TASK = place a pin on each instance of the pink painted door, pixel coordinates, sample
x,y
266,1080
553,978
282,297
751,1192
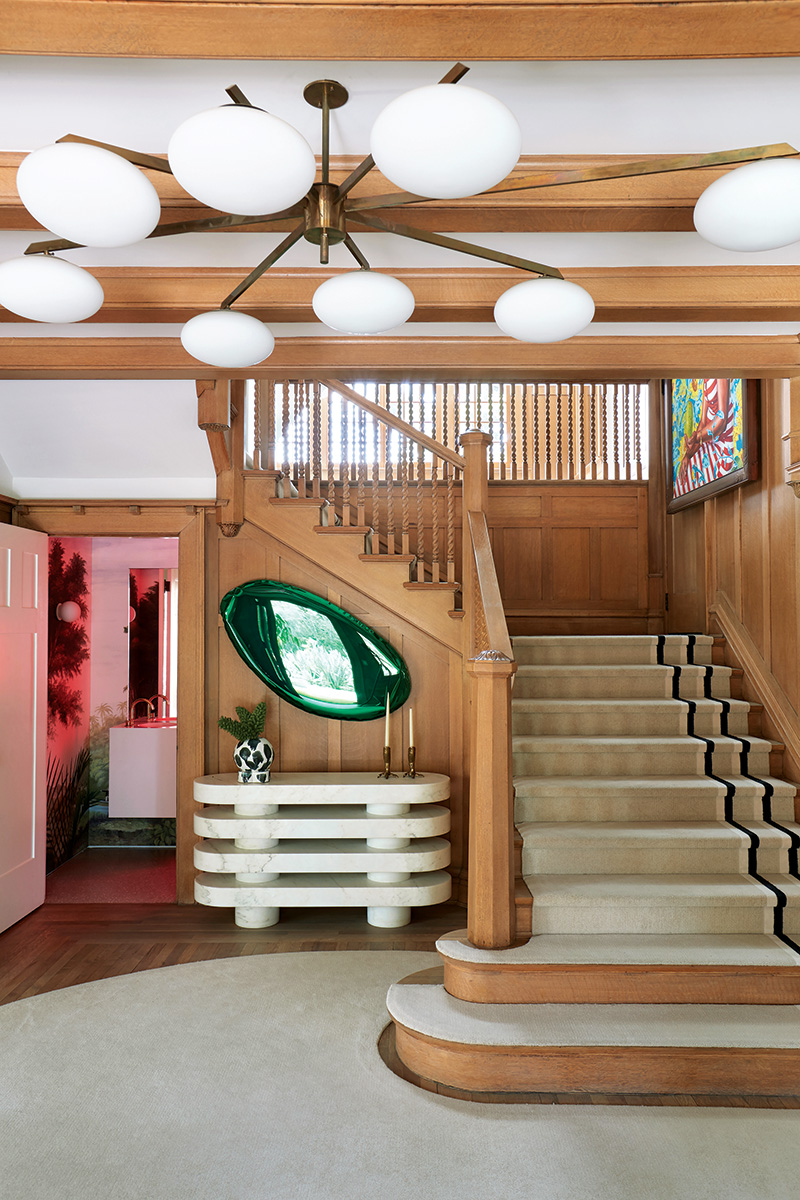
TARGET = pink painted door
x,y
23,721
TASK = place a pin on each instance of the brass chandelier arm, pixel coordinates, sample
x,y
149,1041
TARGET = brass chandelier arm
x,y
265,264
133,156
645,166
439,239
204,225
456,72
356,253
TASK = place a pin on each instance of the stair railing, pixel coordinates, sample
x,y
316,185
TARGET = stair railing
x,y
370,467
490,669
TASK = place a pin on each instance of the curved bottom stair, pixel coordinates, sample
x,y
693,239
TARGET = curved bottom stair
x,y
659,900
636,1049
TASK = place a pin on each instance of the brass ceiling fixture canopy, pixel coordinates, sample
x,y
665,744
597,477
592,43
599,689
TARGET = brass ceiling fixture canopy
x,y
442,141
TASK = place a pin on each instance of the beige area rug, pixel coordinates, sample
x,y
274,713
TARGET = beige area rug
x,y
258,1079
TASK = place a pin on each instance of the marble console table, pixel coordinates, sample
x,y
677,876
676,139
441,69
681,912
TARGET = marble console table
x,y
322,840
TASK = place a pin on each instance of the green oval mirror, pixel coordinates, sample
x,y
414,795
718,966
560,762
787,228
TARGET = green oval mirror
x,y
313,653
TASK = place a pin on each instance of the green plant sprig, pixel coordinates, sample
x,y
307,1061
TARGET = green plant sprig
x,y
249,725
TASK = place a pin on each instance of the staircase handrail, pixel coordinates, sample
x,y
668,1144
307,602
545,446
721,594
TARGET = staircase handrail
x,y
389,419
488,586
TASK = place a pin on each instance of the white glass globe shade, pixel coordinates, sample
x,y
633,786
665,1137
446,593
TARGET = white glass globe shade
x,y
242,160
363,302
445,141
755,207
68,611
225,338
544,310
88,195
42,288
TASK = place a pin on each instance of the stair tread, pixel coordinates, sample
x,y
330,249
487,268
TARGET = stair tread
x,y
644,949
527,785
685,891
647,834
430,1010
721,741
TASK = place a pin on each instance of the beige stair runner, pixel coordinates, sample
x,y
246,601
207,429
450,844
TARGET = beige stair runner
x,y
661,857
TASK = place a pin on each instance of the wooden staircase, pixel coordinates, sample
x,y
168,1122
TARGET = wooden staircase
x,y
659,855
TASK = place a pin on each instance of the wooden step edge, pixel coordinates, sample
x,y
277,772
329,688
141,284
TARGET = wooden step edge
x,y
441,586
611,983
361,530
457,614
618,1070
523,910
388,1051
298,501
388,558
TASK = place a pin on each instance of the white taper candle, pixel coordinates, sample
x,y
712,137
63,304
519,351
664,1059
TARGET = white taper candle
x,y
386,731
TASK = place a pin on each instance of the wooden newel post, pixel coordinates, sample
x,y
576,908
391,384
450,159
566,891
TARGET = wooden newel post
x,y
490,895
474,498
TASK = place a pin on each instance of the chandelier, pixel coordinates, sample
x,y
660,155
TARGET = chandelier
x,y
435,142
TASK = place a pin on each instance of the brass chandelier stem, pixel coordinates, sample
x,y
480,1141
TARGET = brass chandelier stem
x,y
265,265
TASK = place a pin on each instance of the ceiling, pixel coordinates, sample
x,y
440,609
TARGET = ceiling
x,y
659,289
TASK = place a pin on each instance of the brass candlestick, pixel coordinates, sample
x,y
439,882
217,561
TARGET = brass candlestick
x,y
412,772
387,772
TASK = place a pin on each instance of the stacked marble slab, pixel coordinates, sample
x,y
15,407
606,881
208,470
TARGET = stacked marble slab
x,y
322,840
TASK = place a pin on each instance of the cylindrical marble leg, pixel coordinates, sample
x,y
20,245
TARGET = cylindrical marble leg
x,y
389,918
387,876
255,810
387,810
256,918
398,843
256,876
255,843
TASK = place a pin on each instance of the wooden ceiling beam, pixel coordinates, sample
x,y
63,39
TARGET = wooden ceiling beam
x,y
659,203
349,358
437,30
675,293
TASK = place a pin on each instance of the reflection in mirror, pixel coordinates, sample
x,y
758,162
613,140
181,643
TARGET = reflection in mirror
x,y
152,638
312,653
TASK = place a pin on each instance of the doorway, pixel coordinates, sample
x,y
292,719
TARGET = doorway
x,y
113,624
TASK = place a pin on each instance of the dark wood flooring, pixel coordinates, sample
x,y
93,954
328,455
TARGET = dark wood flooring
x,y
59,945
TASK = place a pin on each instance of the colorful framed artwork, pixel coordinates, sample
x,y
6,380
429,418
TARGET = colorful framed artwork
x,y
711,438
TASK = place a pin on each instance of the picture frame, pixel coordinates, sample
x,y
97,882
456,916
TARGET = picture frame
x,y
711,438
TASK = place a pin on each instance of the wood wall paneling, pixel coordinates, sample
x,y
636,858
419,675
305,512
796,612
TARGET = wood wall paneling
x,y
733,567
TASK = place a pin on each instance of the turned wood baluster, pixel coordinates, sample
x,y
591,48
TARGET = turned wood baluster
x,y
616,433
637,430
404,455
420,512
451,522
570,434
435,568
331,462
626,432
375,515
582,435
390,537
457,398
559,446
513,429
286,469
533,392
593,434
256,424
490,422
316,449
524,395
604,431
345,467
361,452
268,430
301,435
548,465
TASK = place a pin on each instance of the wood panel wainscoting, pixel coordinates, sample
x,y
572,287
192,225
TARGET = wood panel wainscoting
x,y
733,568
